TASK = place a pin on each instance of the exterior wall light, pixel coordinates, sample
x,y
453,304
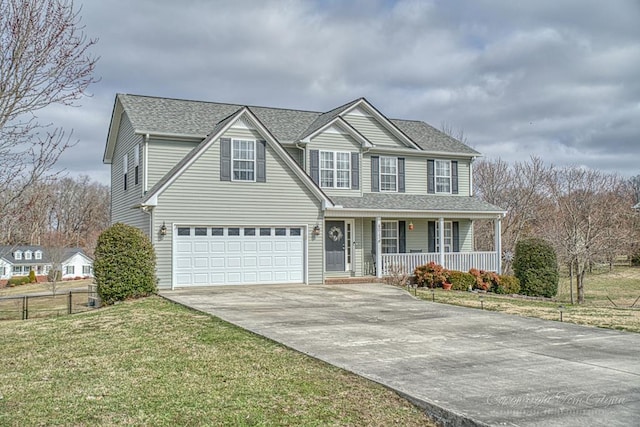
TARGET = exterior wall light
x,y
163,229
410,226
316,230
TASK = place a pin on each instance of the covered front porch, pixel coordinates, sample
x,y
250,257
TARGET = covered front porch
x,y
377,242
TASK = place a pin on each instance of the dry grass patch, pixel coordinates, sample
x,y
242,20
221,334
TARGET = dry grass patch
x,y
150,362
622,286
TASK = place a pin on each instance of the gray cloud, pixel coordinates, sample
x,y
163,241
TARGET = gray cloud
x,y
547,78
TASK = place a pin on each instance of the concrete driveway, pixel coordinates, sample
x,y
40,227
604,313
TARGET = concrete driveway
x,y
464,366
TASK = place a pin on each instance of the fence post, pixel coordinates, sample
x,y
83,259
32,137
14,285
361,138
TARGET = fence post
x,y
69,302
24,307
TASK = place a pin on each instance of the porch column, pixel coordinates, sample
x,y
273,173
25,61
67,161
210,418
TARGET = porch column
x,y
378,244
441,240
498,243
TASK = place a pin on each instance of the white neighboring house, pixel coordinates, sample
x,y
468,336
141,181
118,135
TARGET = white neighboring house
x,y
19,260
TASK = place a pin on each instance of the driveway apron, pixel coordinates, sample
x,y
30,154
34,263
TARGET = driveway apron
x,y
463,366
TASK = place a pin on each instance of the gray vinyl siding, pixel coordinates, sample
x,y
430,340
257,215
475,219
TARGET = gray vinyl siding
x,y
164,155
336,142
371,129
121,200
199,197
297,154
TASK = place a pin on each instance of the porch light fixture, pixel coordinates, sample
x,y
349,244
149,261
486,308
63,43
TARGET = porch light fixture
x,y
410,226
316,230
163,229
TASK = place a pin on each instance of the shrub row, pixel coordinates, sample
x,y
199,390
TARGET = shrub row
x,y
434,275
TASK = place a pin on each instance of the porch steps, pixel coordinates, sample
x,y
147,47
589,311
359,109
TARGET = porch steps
x,y
351,280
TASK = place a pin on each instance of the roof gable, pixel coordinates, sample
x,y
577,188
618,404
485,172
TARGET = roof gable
x,y
246,116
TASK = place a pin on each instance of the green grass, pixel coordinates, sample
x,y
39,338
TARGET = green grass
x,y
622,286
151,362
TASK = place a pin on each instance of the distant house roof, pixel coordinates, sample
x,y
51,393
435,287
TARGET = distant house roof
x,y
7,252
198,119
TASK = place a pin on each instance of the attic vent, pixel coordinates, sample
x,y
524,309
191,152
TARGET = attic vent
x,y
241,123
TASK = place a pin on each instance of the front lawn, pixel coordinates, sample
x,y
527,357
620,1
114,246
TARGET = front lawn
x,y
151,362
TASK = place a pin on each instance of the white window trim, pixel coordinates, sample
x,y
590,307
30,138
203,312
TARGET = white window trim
x,y
436,176
233,160
28,255
17,255
380,174
38,255
334,155
448,225
397,238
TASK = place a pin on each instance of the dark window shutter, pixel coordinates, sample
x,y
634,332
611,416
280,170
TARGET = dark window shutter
x,y
454,177
402,237
431,236
374,244
314,165
455,229
375,174
225,159
355,171
401,174
431,177
261,161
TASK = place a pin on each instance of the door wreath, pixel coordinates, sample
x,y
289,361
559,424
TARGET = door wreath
x,y
335,234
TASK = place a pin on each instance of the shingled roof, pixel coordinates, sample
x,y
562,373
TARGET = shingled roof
x,y
198,119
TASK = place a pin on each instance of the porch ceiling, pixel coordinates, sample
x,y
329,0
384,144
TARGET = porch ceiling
x,y
413,205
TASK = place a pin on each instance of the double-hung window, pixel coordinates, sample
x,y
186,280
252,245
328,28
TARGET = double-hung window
x,y
388,174
125,166
448,236
335,169
389,237
136,164
243,158
443,176
17,255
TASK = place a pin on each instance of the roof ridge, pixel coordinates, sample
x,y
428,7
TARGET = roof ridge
x,y
218,103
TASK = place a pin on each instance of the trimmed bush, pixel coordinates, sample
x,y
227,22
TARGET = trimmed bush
x,y
484,280
430,275
507,285
536,267
18,281
124,265
461,281
32,277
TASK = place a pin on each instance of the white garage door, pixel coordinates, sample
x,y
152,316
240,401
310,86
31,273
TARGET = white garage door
x,y
238,255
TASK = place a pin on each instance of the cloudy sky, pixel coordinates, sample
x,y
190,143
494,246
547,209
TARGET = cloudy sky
x,y
556,79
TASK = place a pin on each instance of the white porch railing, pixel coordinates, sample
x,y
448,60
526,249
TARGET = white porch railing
x,y
460,261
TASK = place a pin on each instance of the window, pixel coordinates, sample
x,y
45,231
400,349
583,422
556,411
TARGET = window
x,y
448,236
125,164
294,232
3,271
86,270
249,231
17,270
265,232
243,158
136,164
184,231
233,232
69,269
217,231
443,176
17,255
38,255
389,237
27,255
335,169
281,231
388,174
200,231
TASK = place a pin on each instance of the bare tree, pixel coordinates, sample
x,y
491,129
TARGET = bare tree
x,y
44,60
587,221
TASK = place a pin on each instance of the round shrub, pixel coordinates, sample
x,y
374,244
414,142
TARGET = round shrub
x,y
430,275
461,281
507,285
124,265
536,267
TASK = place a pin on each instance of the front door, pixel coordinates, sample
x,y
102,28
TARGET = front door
x,y
334,245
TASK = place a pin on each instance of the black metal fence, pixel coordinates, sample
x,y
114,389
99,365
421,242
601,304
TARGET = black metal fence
x,y
32,306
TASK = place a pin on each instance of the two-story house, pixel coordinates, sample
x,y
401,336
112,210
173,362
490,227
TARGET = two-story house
x,y
233,194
